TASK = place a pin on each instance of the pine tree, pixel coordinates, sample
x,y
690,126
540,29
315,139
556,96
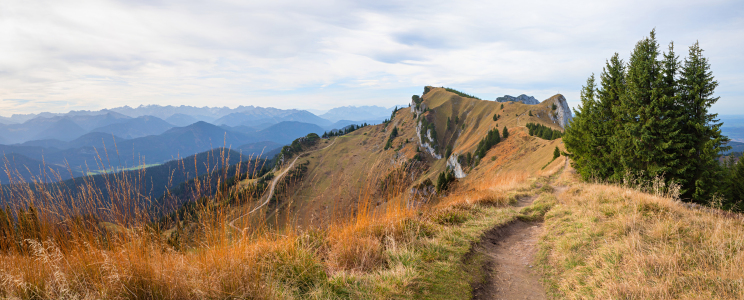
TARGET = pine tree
x,y
579,131
701,133
505,133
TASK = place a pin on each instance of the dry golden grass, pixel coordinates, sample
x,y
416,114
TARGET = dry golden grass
x,y
369,253
608,242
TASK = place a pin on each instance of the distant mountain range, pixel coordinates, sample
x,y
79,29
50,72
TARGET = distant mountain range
x,y
71,144
128,122
357,113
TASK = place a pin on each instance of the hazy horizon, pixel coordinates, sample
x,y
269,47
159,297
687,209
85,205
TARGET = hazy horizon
x,y
64,55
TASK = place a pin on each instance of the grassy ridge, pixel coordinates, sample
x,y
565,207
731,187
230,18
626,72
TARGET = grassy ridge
x,y
610,242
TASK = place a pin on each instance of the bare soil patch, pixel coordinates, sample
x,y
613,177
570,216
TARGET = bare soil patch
x,y
509,252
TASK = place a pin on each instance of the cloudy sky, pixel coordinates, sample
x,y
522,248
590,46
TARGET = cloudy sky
x,y
61,55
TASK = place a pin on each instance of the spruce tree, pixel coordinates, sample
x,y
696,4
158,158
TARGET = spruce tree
x,y
702,139
612,88
505,133
644,146
579,131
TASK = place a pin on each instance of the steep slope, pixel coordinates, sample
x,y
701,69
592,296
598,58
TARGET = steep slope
x,y
352,169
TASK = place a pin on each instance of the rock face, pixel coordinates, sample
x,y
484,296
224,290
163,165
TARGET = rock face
x,y
454,164
425,144
521,98
562,113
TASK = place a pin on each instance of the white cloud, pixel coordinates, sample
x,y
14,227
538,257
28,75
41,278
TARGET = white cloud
x,y
63,55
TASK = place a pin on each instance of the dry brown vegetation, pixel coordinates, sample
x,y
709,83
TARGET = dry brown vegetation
x,y
612,242
370,255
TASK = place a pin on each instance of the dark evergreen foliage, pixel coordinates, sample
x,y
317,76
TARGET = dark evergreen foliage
x,y
543,132
461,94
650,118
393,135
737,185
346,130
491,139
444,180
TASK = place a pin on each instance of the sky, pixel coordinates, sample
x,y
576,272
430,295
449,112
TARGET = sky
x,y
61,55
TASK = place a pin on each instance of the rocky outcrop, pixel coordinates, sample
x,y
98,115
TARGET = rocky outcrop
x,y
418,109
425,144
521,98
562,114
454,164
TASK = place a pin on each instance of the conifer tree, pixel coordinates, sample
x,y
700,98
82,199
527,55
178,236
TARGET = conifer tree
x,y
579,131
737,183
702,138
505,133
612,87
556,152
645,148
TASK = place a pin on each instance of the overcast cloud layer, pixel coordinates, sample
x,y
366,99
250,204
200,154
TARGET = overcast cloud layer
x,y
61,55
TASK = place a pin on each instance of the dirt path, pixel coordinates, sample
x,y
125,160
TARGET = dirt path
x,y
273,186
510,251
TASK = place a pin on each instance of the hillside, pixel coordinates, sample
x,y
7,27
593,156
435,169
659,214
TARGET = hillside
x,y
439,203
357,162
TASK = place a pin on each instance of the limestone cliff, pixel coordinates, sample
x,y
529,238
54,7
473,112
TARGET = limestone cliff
x,y
562,114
